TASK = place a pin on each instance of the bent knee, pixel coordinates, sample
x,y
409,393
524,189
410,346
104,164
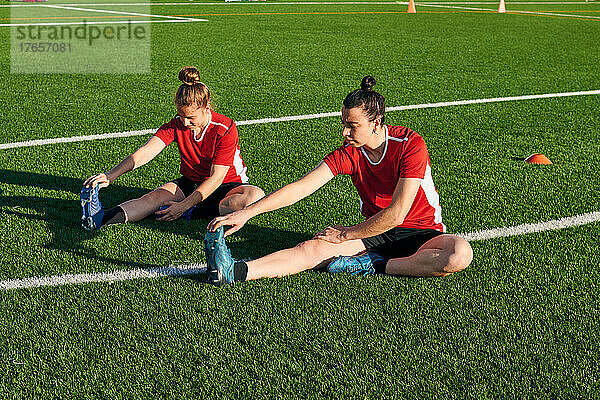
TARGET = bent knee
x,y
154,199
253,193
459,257
240,197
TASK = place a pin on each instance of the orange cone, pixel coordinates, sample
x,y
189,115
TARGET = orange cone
x,y
502,7
411,7
538,158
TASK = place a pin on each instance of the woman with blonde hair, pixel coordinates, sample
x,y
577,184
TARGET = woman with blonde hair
x,y
213,181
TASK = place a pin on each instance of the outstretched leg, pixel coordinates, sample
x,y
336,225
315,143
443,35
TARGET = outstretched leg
x,y
306,255
440,256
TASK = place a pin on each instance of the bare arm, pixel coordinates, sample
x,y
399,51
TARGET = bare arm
x,y
280,198
384,220
136,159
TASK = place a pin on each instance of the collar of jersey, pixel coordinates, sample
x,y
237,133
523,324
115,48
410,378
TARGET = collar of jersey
x,y
203,130
384,150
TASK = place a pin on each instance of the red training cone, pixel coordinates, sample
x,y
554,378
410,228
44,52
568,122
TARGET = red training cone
x,y
538,158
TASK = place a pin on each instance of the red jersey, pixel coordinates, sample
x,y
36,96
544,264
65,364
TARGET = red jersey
x,y
404,156
218,144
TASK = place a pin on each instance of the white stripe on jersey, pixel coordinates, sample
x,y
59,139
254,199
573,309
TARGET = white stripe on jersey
x,y
399,140
240,169
432,196
216,123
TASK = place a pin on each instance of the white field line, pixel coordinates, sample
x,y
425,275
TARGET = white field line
x,y
120,12
115,276
75,139
507,11
195,269
41,142
170,21
524,229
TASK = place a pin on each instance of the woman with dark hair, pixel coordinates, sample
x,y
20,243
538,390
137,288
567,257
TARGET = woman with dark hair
x,y
402,234
213,181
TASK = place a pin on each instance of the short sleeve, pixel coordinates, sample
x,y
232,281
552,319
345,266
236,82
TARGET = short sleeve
x,y
166,132
414,160
339,161
226,147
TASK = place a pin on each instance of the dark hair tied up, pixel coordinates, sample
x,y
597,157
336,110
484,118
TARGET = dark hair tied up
x,y
367,83
371,102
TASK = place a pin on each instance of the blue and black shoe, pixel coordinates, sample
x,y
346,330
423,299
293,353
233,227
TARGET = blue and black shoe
x,y
219,260
187,215
362,264
92,211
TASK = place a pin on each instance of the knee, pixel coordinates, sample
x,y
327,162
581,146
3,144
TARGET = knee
x,y
252,194
152,200
240,199
460,256
311,248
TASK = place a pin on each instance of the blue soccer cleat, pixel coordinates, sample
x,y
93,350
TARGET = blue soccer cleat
x,y
356,265
218,257
187,215
92,211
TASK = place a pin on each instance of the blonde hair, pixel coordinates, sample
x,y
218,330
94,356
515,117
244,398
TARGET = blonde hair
x,y
192,92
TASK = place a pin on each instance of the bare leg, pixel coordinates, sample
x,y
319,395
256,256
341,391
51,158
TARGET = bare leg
x,y
240,197
440,256
140,208
306,255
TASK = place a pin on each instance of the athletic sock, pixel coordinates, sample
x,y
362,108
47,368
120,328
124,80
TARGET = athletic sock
x,y
240,271
115,215
379,266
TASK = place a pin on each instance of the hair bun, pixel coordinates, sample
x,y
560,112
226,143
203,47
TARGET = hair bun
x,y
189,76
367,83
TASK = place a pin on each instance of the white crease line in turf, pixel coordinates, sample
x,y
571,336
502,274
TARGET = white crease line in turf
x,y
71,139
524,229
121,13
115,276
195,269
76,139
508,11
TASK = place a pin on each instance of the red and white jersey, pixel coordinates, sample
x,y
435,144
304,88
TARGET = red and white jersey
x,y
404,156
218,144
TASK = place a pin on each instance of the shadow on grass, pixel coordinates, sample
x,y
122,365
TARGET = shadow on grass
x,y
63,218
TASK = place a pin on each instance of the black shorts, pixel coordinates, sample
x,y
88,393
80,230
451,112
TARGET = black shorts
x,y
400,242
209,207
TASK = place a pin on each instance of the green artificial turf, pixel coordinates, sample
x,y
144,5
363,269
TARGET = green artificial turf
x,y
521,321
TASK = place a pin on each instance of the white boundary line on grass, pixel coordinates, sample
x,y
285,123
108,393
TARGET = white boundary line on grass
x,y
115,276
194,269
41,142
123,13
169,18
523,229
